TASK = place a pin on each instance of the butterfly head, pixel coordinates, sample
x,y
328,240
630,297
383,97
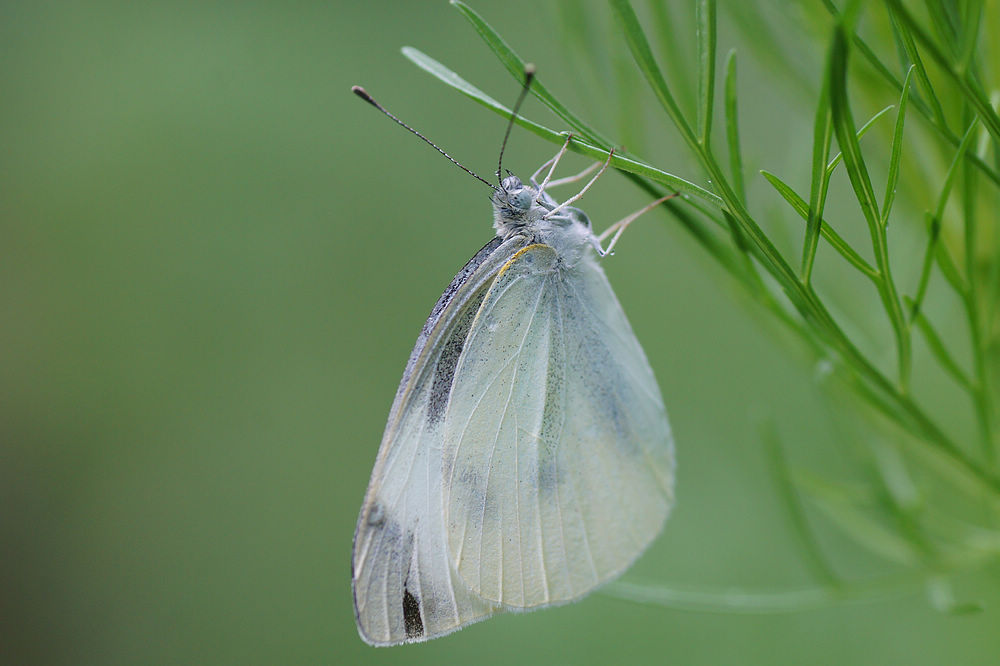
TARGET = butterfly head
x,y
524,208
517,205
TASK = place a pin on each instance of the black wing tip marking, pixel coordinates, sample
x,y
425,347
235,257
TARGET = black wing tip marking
x,y
412,622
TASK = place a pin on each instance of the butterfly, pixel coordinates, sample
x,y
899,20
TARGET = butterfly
x,y
527,457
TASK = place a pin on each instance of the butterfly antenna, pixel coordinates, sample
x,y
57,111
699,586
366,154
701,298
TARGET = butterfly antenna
x,y
363,94
529,76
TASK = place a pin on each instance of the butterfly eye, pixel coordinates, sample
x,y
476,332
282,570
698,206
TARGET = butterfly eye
x,y
520,199
518,196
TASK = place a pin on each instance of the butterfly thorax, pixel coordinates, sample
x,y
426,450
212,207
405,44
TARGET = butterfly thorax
x,y
520,208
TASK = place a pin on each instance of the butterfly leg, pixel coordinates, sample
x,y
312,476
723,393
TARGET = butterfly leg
x,y
578,195
551,164
619,227
572,179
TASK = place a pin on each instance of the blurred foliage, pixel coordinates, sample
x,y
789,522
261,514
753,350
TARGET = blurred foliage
x,y
216,260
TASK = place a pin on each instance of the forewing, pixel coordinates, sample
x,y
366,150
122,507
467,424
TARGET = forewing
x,y
405,588
558,454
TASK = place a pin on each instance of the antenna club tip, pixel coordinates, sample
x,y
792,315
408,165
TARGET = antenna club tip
x,y
529,69
363,94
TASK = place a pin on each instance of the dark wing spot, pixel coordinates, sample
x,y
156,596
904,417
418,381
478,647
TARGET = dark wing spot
x,y
444,373
376,515
411,615
441,305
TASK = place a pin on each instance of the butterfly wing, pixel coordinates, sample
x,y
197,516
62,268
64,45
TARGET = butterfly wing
x,y
558,455
405,588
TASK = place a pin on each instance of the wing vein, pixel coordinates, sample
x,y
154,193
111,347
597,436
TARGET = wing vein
x,y
558,462
496,436
576,494
517,501
489,384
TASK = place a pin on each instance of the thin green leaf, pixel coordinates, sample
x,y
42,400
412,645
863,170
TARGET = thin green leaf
x,y
820,183
897,149
712,244
705,15
743,246
933,232
628,96
950,272
909,415
820,176
979,341
913,55
966,83
969,39
861,182
515,65
943,21
868,53
737,234
733,127
934,226
618,161
939,350
852,10
936,120
949,179
633,169
762,246
713,213
826,231
839,157
897,405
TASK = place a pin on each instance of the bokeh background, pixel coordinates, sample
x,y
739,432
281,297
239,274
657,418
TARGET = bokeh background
x,y
214,262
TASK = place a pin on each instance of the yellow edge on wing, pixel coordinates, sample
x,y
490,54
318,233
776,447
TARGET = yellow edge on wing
x,y
517,255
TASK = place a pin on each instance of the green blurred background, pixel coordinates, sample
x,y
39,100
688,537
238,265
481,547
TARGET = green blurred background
x,y
215,260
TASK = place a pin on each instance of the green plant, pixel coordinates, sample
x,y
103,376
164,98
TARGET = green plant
x,y
946,121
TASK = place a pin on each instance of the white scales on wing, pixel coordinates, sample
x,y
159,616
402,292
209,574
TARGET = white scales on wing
x,y
527,458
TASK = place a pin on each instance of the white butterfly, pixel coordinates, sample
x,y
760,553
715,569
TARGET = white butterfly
x,y
527,458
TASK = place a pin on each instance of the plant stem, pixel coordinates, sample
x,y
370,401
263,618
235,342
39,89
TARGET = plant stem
x,y
908,414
